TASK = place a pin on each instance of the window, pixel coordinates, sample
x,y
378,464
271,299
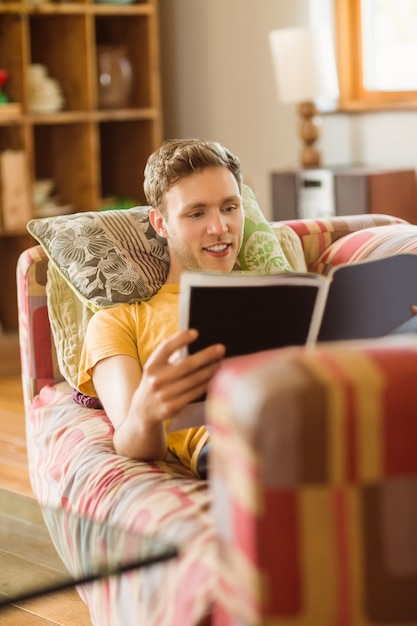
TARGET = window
x,y
377,53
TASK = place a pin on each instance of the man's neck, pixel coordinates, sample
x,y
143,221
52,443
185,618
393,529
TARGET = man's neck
x,y
173,278
174,272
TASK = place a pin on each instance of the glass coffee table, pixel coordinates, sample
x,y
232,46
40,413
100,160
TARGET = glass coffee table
x,y
30,565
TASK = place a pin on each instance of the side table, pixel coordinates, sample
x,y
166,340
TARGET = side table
x,y
320,192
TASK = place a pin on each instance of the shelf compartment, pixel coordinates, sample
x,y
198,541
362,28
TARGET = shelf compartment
x,y
88,152
124,148
12,55
63,153
12,137
61,43
132,32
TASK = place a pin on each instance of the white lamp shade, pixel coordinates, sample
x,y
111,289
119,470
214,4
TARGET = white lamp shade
x,y
304,63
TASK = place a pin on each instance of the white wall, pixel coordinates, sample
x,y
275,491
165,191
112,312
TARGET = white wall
x,y
218,81
218,84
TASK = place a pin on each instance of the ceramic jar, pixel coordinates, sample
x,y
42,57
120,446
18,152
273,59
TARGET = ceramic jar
x,y
114,76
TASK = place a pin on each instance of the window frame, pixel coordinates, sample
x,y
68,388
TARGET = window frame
x,y
353,95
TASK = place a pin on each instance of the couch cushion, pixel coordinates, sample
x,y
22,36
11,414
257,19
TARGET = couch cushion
x,y
367,244
291,246
74,465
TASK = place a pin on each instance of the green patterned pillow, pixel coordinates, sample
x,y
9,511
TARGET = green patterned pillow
x,y
261,250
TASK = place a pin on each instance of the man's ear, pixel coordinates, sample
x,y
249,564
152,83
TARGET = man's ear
x,y
158,222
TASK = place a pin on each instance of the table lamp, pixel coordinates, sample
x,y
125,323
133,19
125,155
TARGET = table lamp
x,y
305,70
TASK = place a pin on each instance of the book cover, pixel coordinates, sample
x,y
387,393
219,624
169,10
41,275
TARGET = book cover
x,y
370,299
252,312
249,313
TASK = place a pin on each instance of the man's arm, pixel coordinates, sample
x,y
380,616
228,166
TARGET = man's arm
x,y
138,403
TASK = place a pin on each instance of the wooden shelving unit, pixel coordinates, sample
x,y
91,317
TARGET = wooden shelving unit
x,y
89,152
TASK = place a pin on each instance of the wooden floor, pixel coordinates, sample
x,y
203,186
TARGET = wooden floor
x,y
61,609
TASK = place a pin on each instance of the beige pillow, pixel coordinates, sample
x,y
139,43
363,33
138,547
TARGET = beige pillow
x,y
68,316
291,246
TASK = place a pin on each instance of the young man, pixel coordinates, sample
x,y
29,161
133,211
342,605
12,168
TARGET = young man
x,y
129,359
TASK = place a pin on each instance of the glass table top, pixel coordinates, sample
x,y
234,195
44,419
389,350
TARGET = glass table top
x,y
30,565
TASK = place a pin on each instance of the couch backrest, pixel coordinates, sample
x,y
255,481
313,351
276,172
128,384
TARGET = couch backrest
x,y
316,235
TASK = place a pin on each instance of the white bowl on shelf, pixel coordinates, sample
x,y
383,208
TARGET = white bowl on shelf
x,y
41,190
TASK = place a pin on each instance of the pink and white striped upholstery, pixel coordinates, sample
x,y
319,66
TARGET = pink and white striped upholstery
x,y
318,235
367,244
308,460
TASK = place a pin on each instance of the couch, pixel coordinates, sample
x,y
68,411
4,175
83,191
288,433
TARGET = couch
x,y
310,512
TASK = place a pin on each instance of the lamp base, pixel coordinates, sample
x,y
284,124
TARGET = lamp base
x,y
309,131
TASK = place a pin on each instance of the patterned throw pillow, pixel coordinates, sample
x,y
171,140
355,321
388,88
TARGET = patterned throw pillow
x,y
106,257
369,243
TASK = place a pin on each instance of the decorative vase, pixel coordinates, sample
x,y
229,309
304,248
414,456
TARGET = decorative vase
x,y
114,76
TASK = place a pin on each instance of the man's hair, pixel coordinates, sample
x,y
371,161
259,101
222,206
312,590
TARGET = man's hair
x,y
178,158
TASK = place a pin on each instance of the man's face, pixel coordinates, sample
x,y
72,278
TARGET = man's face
x,y
204,223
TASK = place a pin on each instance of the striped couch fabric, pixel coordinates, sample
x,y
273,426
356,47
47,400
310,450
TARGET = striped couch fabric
x,y
314,476
368,244
313,487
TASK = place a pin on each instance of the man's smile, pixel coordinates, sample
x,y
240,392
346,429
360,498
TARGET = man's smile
x,y
218,249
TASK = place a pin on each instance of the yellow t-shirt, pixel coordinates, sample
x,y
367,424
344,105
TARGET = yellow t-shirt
x,y
136,330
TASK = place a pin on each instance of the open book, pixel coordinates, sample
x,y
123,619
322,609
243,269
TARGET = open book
x,y
249,312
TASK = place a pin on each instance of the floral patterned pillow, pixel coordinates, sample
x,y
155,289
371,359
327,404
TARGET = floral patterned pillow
x,y
107,257
115,256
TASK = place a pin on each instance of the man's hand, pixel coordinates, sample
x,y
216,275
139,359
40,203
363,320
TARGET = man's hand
x,y
139,403
169,383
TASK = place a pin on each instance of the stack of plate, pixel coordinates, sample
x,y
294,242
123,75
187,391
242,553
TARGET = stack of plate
x,y
45,95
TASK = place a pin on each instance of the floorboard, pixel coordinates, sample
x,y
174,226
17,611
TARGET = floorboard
x,y
60,609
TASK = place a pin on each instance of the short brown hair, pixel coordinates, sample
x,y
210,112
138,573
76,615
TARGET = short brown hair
x,y
178,158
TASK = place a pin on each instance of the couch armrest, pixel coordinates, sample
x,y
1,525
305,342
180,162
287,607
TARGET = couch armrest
x,y
314,479
37,350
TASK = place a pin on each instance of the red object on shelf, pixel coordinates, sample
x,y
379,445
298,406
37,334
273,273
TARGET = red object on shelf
x,y
3,77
